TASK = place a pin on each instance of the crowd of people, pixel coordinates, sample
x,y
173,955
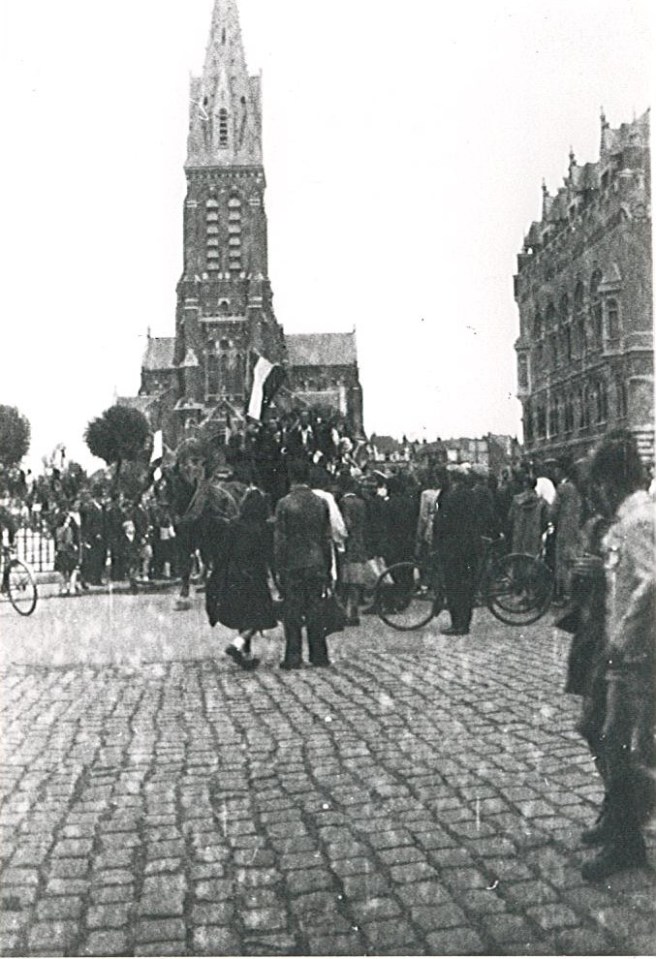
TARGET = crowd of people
x,y
294,520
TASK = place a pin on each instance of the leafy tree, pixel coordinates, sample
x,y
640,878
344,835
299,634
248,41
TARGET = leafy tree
x,y
120,433
14,435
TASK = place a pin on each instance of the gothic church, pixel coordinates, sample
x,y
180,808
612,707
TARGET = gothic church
x,y
225,318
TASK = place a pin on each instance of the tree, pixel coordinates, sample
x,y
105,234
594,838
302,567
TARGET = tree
x,y
14,435
120,433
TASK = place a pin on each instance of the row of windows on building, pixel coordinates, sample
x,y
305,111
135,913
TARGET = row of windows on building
x,y
213,238
568,310
575,337
561,415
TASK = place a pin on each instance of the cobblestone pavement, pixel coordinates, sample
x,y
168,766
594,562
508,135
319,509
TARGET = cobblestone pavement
x,y
424,796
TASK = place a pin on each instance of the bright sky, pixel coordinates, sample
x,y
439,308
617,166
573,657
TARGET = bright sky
x,y
405,144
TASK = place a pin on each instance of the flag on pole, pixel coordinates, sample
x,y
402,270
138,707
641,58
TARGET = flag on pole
x,y
158,447
267,380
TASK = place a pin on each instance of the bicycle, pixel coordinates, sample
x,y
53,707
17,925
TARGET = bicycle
x,y
515,587
17,582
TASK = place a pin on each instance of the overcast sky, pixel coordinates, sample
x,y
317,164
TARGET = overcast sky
x,y
405,144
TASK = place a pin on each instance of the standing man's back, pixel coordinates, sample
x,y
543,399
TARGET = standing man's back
x,y
302,546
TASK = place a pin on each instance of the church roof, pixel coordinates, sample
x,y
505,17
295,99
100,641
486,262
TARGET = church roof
x,y
141,403
159,353
321,349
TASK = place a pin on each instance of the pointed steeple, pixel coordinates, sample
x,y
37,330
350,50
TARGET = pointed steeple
x,y
225,112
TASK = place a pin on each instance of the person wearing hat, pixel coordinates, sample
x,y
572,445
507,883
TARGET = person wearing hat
x,y
457,538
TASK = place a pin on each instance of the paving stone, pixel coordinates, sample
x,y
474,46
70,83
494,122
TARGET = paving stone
x,y
553,916
412,872
592,942
108,894
168,948
159,930
162,896
365,886
53,935
109,916
507,928
346,945
256,920
212,914
104,943
456,942
60,907
309,880
438,917
17,897
395,934
378,907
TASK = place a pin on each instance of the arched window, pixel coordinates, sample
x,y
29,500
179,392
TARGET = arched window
x,y
579,297
621,398
212,234
567,343
596,311
223,128
554,417
555,356
528,422
522,372
564,308
583,408
234,234
569,414
538,326
602,402
581,334
212,375
613,319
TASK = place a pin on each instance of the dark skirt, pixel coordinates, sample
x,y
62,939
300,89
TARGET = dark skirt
x,y
239,600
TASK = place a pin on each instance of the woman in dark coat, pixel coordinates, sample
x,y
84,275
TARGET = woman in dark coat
x,y
237,591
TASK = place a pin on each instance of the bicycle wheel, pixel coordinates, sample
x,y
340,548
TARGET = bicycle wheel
x,y
21,587
518,589
403,598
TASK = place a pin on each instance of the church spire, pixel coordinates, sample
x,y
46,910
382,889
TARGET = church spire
x,y
225,112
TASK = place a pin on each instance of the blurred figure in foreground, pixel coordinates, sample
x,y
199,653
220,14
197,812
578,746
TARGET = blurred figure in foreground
x,y
626,748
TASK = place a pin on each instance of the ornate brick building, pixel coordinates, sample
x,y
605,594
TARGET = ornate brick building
x,y
225,318
584,291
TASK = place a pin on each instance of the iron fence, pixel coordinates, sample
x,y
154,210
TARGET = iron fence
x,y
35,545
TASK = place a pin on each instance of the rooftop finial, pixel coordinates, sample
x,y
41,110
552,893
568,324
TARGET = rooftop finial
x,y
604,121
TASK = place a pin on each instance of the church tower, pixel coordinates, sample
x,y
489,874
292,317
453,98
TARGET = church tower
x,y
225,312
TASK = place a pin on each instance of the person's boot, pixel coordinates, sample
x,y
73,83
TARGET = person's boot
x,y
602,830
622,852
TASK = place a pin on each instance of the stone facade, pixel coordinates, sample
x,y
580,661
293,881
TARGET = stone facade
x,y
225,317
584,291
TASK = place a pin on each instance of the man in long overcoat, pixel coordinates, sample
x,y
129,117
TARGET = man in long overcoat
x,y
457,535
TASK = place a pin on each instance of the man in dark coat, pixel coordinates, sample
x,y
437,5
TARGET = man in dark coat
x,y
457,534
93,537
302,546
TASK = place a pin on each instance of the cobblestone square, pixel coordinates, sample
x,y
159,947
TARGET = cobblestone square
x,y
423,796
